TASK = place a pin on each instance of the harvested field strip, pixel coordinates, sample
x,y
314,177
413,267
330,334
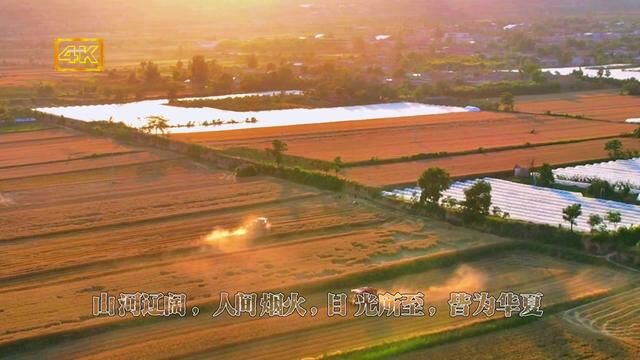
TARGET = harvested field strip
x,y
96,181
85,164
317,214
597,105
481,164
26,140
503,130
137,209
321,334
36,135
617,316
56,149
203,279
131,262
418,157
277,132
158,324
92,156
552,337
131,181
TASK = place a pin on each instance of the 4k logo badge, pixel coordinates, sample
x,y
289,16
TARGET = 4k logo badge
x,y
78,54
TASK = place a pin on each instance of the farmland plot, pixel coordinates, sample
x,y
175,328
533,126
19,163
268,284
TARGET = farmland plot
x,y
551,337
203,274
175,236
485,163
617,316
116,206
601,105
27,136
518,271
172,225
396,138
56,149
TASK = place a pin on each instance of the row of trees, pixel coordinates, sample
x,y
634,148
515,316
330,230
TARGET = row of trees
x,y
597,223
279,147
616,149
434,181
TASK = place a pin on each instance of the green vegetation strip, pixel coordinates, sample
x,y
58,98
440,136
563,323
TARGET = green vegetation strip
x,y
27,127
253,103
287,160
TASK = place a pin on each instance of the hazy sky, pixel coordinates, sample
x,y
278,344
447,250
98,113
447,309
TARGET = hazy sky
x,y
33,16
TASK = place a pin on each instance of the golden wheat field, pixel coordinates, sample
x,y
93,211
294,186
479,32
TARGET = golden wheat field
x,y
163,223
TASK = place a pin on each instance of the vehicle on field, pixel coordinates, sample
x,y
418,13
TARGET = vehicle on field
x,y
363,295
259,227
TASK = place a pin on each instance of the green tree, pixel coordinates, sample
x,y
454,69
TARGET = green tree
x,y
4,108
433,182
450,202
631,87
636,132
614,147
571,213
507,102
157,124
579,74
477,199
531,71
601,189
337,164
496,211
596,222
150,72
614,217
277,150
199,71
546,177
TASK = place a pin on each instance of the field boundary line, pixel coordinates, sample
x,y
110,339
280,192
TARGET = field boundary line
x,y
32,140
90,169
87,157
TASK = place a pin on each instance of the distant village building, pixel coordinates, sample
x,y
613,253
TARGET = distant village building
x,y
24,120
459,37
548,62
521,172
582,61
